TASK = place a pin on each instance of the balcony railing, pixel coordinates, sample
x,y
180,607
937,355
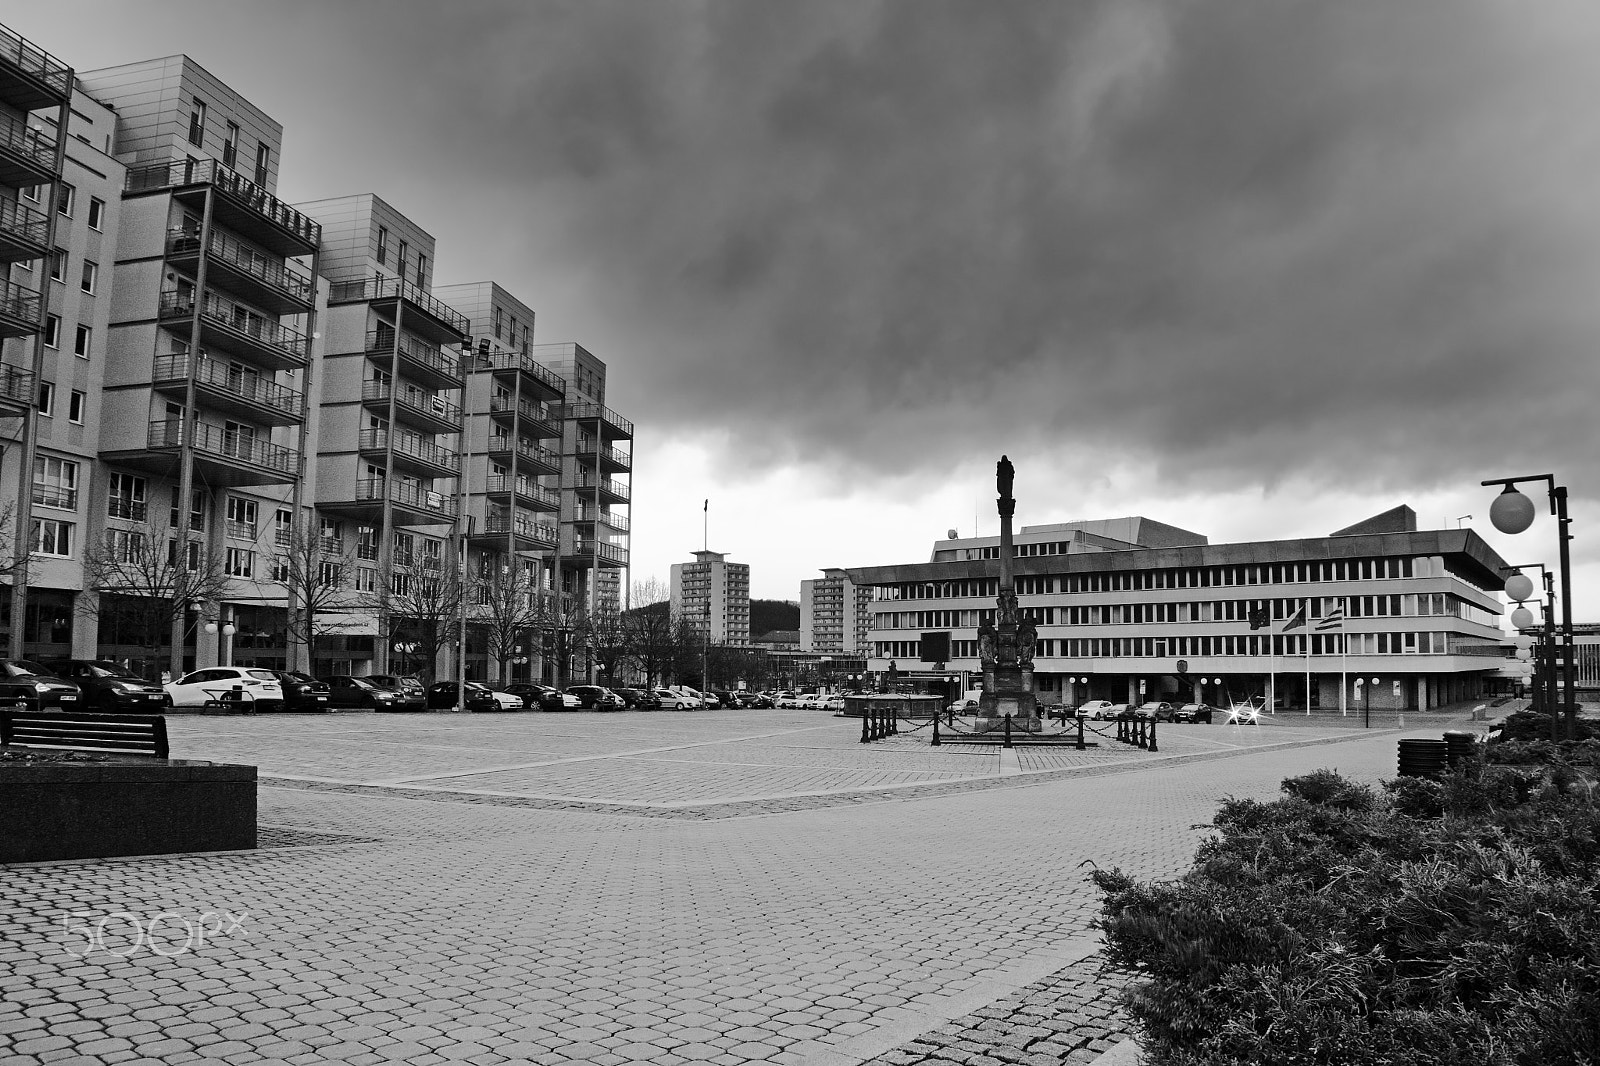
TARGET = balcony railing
x,y
535,412
588,448
406,495
227,444
24,223
523,487
434,406
35,61
613,553
16,385
287,278
55,496
377,440
520,525
613,488
257,200
35,145
499,442
122,507
266,331
430,355
241,530
386,288
589,412
509,360
222,376
19,302
282,536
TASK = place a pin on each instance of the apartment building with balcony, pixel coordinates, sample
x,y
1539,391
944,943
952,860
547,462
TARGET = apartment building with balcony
x,y
835,614
389,414
214,301
712,597
1129,608
36,212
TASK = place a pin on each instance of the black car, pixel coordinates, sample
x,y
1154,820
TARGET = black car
x,y
595,698
639,699
442,696
628,696
28,682
411,695
360,694
302,693
536,697
109,687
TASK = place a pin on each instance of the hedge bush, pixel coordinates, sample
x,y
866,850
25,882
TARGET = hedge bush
x,y
1450,921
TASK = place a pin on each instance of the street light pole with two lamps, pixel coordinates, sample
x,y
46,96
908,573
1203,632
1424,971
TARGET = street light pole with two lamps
x,y
1512,512
1520,588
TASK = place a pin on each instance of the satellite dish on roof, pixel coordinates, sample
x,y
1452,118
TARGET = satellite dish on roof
x,y
952,534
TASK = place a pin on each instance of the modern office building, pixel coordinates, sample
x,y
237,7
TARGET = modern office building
x,y
712,597
1130,610
835,614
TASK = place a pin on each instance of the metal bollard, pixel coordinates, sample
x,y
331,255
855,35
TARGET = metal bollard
x,y
935,730
866,725
1080,733
1152,733
1008,731
1139,731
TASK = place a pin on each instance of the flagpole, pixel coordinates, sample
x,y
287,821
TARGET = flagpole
x,y
1308,657
1344,650
1272,666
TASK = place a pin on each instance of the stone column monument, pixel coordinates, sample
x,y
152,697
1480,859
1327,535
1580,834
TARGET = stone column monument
x,y
1006,647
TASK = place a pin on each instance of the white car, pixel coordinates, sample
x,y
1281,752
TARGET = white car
x,y
200,687
675,701
507,700
833,703
809,701
1099,709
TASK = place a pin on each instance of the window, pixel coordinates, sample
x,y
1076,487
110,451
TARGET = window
x,y
280,569
81,340
125,545
52,331
497,323
402,549
97,213
366,579
283,527
366,542
47,398
197,121
383,246
32,193
263,162
51,537
91,274
400,258
198,506
67,199
191,554
55,482
58,265
230,146
241,562
127,497
332,536
75,405
330,573
432,554
422,271
241,517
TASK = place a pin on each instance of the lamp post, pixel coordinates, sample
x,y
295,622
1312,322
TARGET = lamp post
x,y
1520,588
1512,512
1366,720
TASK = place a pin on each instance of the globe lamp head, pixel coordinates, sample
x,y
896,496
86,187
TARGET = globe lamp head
x,y
1519,586
1522,618
1511,512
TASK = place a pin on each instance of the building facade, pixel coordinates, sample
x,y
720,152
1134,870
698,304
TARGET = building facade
x,y
712,597
1165,615
835,614
250,432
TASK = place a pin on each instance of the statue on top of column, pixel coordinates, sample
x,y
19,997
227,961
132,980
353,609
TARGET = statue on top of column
x,y
1004,475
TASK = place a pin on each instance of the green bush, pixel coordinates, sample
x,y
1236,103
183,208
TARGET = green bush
x,y
1432,922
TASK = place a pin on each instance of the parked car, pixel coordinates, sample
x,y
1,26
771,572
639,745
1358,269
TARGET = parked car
x,y
23,678
108,687
834,703
628,696
963,706
1193,712
696,700
596,697
645,699
412,695
1159,710
302,692
508,701
673,700
1099,710
810,701
359,693
726,698
257,686
442,695
535,697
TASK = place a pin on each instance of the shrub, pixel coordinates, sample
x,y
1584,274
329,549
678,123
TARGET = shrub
x,y
1432,923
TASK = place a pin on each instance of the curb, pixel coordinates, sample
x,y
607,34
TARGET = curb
x,y
1123,1054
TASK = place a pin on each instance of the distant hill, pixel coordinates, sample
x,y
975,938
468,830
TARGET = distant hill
x,y
767,615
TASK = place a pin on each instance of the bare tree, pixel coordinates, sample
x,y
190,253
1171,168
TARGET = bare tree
x,y
152,581
648,632
609,639
510,609
318,576
423,606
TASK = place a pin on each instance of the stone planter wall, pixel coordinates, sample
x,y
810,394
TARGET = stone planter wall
x,y
125,807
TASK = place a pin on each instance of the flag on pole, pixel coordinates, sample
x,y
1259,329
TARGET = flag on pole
x,y
1296,620
1334,619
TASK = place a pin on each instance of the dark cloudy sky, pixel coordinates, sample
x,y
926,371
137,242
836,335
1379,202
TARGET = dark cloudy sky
x,y
1253,267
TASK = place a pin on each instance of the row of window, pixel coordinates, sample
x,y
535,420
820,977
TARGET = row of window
x,y
67,202
1167,578
402,254
1400,605
77,402
1288,645
82,338
230,143
89,277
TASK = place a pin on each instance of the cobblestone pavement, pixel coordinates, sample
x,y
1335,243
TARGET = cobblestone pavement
x,y
388,918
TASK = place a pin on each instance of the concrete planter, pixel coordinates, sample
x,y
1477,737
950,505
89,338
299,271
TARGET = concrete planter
x,y
129,806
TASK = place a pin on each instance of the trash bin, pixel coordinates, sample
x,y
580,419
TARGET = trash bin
x,y
1423,758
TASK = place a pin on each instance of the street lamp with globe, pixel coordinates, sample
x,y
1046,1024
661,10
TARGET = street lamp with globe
x,y
1520,588
1512,512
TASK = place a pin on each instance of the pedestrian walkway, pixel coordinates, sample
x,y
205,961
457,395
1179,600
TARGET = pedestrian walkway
x,y
708,888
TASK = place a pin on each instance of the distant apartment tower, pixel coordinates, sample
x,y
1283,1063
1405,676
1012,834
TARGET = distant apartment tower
x,y
835,614
713,593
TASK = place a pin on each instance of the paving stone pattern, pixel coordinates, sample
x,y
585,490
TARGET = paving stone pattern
x,y
647,923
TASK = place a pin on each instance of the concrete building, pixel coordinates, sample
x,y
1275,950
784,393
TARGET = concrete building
x,y
1131,610
712,596
835,614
